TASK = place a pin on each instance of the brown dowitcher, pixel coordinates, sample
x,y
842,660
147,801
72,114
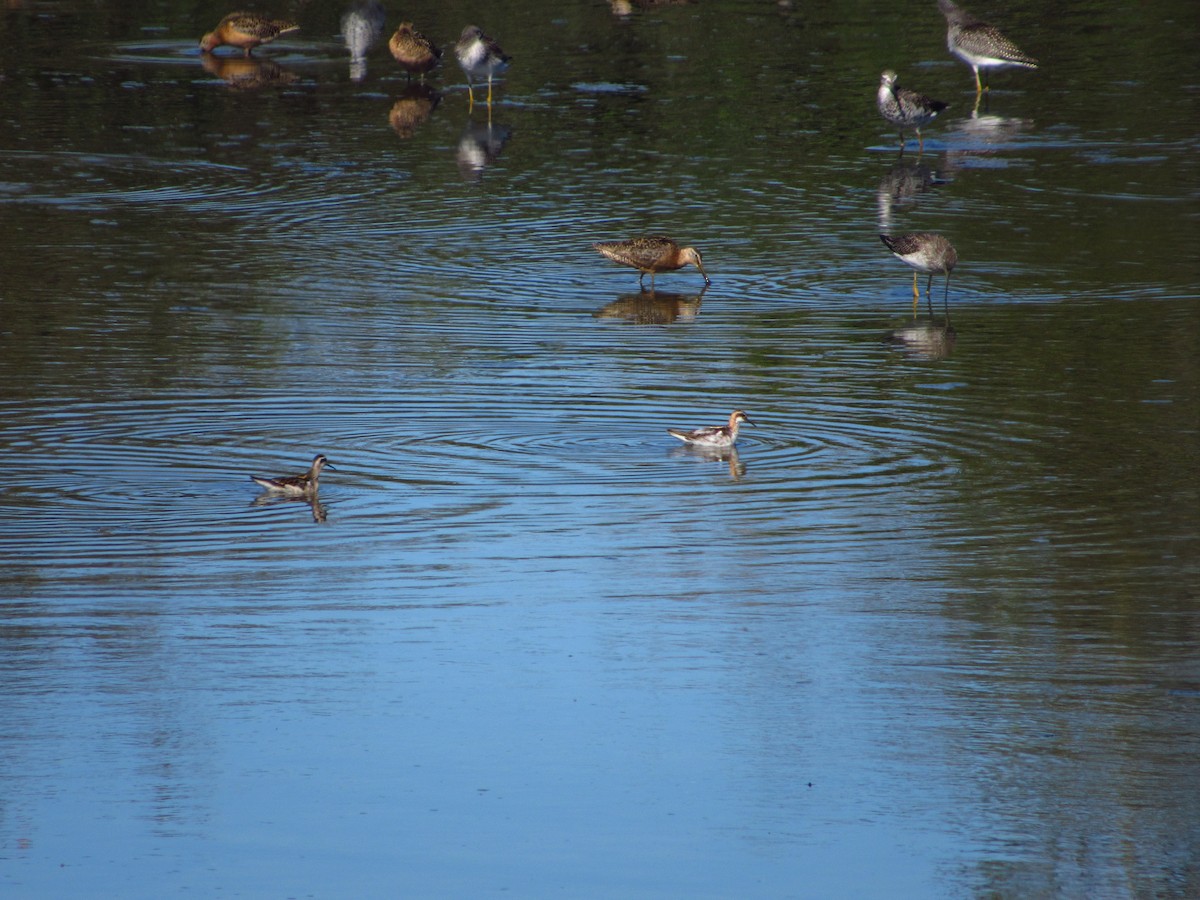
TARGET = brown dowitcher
x,y
927,253
980,45
906,109
479,55
247,31
415,52
295,485
652,254
715,436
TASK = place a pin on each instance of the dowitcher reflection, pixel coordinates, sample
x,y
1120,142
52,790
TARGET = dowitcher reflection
x,y
980,45
906,109
652,255
412,109
246,31
926,253
247,74
653,308
304,484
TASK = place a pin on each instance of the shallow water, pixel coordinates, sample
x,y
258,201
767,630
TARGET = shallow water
x,y
931,631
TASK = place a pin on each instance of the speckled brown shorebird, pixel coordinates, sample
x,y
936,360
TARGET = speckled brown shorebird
x,y
415,52
906,109
926,253
247,31
980,45
652,254
295,485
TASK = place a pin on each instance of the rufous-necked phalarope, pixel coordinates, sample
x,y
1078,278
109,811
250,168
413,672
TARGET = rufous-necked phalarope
x,y
296,485
718,436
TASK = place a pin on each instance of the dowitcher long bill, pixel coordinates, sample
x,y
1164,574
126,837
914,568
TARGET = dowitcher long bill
x,y
980,45
926,253
415,52
296,485
247,31
652,254
479,55
715,436
906,109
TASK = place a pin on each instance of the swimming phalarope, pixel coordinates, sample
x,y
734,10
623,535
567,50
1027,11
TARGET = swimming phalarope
x,y
479,55
295,485
714,436
247,31
652,254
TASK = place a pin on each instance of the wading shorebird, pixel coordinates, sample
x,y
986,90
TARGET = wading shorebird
x,y
906,109
247,31
652,254
718,437
295,485
479,55
980,45
415,52
927,253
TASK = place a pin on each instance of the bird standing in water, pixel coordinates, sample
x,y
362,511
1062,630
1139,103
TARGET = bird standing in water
x,y
926,253
652,254
980,45
415,52
479,55
295,485
905,108
247,31
718,437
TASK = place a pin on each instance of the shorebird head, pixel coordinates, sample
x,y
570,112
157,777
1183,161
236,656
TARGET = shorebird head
x,y
470,34
209,41
737,417
692,255
319,462
888,78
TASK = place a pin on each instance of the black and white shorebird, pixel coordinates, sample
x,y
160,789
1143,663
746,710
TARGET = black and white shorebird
x,y
906,109
980,45
713,437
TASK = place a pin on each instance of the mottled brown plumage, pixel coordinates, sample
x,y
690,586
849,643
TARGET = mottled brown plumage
x,y
926,253
415,52
246,31
652,254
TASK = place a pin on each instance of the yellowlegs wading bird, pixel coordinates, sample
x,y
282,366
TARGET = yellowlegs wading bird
x,y
926,253
980,45
479,55
906,109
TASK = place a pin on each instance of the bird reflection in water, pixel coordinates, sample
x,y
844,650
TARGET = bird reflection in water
x,y
930,340
412,109
904,181
247,73
700,453
480,146
653,308
626,7
319,511
362,27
